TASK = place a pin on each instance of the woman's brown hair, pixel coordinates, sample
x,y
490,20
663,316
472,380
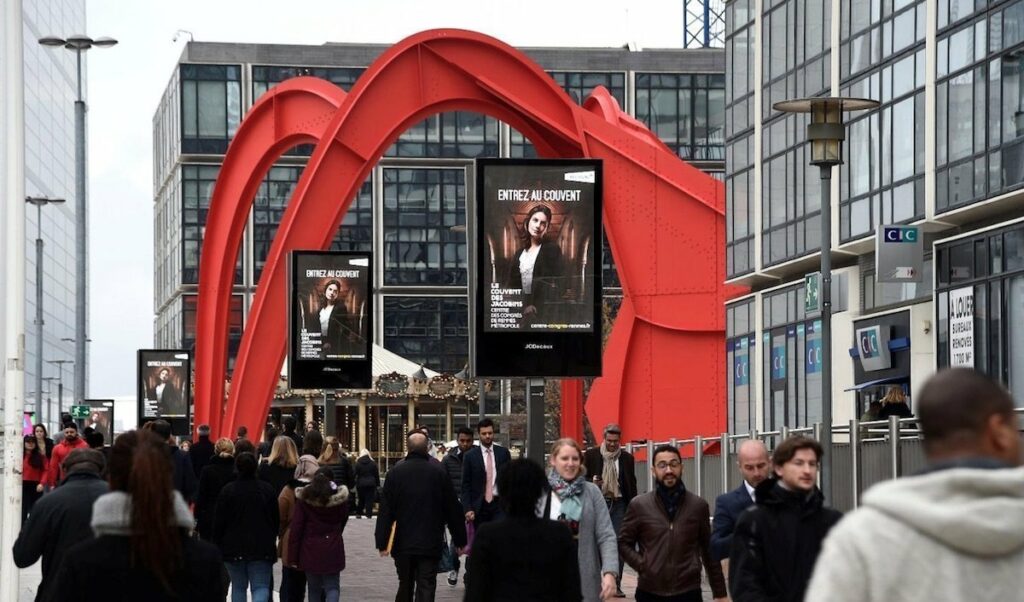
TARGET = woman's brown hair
x,y
332,451
140,466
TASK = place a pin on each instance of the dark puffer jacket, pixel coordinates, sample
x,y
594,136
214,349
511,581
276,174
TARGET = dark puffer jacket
x,y
367,473
776,543
315,542
453,464
246,521
216,474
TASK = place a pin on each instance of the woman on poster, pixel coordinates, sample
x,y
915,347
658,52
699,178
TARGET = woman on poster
x,y
333,321
537,269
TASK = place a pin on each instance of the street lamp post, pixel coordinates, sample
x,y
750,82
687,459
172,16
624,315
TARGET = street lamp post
x,y
74,367
39,201
49,395
826,133
79,44
60,382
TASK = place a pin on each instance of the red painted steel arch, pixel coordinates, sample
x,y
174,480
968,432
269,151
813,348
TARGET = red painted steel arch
x,y
664,366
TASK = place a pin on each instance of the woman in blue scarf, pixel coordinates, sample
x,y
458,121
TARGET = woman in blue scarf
x,y
575,501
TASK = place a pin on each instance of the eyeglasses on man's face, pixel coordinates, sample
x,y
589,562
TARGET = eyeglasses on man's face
x,y
671,464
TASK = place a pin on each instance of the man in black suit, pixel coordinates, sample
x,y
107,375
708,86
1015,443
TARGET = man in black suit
x,y
612,469
419,501
754,464
480,470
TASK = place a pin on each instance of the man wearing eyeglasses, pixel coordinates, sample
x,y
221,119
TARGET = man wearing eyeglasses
x,y
666,536
611,468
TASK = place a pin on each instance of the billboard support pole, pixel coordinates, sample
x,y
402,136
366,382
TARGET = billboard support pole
x,y
535,419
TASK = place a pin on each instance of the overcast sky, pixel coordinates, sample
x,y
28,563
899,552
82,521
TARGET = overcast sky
x,y
125,84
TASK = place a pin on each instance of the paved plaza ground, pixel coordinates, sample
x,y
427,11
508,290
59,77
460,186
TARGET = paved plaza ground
x,y
367,577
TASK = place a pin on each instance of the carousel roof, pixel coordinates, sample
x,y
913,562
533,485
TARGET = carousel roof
x,y
386,362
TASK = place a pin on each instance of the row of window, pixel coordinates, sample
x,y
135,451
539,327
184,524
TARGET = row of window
x,y
687,111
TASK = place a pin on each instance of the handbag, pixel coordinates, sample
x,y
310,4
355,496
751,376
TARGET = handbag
x,y
447,562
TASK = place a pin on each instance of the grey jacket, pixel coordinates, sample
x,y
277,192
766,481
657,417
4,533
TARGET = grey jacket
x,y
598,545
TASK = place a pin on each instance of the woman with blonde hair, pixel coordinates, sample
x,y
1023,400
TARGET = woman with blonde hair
x,y
367,482
333,458
579,504
215,475
279,467
895,404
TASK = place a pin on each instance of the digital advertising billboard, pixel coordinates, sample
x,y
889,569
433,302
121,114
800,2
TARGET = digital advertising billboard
x,y
164,379
331,314
537,309
101,418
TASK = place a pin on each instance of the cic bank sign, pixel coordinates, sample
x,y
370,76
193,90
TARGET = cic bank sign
x,y
899,254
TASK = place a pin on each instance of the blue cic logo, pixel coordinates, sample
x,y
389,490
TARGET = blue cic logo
x,y
896,234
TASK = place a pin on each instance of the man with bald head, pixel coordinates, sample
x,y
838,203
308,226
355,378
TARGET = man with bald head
x,y
419,501
952,532
754,465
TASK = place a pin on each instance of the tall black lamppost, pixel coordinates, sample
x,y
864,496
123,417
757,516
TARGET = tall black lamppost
x,y
826,133
39,201
79,44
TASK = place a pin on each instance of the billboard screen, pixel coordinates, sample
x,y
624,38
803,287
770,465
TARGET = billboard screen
x,y
538,276
331,319
101,417
164,379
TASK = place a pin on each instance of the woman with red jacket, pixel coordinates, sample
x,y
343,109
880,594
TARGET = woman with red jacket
x,y
315,544
33,473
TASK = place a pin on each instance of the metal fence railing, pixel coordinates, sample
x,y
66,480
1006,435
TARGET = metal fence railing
x,y
863,453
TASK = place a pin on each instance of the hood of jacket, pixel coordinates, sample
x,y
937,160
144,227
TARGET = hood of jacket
x,y
339,497
974,511
112,514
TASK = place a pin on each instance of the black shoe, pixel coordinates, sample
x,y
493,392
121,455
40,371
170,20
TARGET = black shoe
x,y
453,578
619,594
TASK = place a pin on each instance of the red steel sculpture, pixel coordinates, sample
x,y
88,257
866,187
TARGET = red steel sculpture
x,y
665,361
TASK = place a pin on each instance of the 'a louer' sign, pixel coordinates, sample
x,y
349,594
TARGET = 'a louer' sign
x,y
961,327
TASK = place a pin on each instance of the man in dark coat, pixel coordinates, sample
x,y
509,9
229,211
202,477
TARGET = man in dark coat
x,y
666,537
777,541
184,476
754,465
610,460
61,518
202,450
290,424
419,501
453,464
480,468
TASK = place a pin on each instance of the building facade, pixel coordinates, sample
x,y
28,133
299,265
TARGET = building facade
x,y
411,211
942,152
49,126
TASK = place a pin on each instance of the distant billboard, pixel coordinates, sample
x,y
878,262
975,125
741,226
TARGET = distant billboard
x,y
164,384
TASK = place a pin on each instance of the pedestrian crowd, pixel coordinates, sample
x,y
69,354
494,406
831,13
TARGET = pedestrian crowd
x,y
151,521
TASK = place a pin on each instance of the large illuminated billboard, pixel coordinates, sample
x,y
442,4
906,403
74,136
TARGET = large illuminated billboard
x,y
331,307
164,384
538,279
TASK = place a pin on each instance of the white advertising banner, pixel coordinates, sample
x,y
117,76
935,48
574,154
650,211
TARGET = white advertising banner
x,y
961,327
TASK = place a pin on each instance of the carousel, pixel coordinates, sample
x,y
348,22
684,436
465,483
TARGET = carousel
x,y
405,395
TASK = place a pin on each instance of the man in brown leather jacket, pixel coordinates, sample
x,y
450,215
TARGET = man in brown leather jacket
x,y
664,534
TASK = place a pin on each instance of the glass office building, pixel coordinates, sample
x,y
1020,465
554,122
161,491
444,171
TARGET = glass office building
x,y
49,122
941,153
409,208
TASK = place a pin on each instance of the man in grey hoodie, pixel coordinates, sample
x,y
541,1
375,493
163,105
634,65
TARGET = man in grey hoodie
x,y
954,532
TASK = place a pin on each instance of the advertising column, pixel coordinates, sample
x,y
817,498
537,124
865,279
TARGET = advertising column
x,y
537,310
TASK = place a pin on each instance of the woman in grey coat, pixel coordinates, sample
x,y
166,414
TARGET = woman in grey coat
x,y
575,501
